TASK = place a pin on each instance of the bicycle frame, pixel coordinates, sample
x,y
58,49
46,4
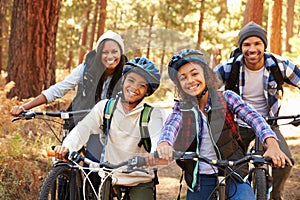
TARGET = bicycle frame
x,y
75,175
223,165
261,174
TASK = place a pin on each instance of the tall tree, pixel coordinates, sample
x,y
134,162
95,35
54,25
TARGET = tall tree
x,y
254,11
102,18
84,33
32,44
274,26
94,25
289,23
199,39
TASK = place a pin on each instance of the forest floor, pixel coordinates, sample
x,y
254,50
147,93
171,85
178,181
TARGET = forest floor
x,y
23,164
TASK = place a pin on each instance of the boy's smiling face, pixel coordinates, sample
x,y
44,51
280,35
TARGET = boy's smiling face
x,y
191,79
135,87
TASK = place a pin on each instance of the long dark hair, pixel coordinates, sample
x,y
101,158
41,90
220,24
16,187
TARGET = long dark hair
x,y
98,69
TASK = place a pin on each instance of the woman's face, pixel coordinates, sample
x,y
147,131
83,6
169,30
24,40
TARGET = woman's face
x,y
111,54
191,79
135,87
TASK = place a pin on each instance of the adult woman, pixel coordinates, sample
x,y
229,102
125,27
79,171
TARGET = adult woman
x,y
97,78
207,116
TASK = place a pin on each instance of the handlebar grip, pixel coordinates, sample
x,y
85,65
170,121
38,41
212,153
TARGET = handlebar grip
x,y
51,153
269,160
176,154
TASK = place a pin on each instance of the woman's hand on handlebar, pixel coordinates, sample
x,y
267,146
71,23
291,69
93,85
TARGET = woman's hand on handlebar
x,y
16,111
61,152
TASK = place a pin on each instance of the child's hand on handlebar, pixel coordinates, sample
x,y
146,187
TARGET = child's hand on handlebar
x,y
61,152
165,151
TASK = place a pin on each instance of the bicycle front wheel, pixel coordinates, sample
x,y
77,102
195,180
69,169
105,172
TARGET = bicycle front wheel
x,y
259,184
58,185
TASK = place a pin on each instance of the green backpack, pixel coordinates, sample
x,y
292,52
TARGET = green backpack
x,y
144,120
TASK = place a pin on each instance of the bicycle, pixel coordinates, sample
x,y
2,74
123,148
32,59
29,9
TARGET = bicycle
x,y
225,167
260,174
62,176
106,170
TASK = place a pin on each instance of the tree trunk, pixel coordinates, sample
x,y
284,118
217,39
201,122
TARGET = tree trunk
x,y
200,24
254,11
69,61
82,51
94,24
289,23
274,26
102,18
149,36
32,45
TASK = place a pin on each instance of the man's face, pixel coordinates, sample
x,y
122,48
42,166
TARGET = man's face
x,y
253,50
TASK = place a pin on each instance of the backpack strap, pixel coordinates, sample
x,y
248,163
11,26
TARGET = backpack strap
x,y
144,120
110,106
277,74
232,81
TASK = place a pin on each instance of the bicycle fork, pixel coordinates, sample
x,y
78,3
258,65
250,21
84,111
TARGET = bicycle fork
x,y
222,187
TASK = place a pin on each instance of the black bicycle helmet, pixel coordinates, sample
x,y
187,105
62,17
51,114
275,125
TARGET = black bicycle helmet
x,y
182,57
145,68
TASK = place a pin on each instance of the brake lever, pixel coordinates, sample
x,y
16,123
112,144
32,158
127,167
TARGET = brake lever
x,y
16,119
130,170
295,122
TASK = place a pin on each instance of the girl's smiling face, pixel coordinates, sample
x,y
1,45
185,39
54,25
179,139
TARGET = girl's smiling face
x,y
191,79
135,87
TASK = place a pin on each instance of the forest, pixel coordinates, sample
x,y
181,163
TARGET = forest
x,y
43,41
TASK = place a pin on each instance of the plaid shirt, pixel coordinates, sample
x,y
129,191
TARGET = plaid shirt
x,y
235,104
290,72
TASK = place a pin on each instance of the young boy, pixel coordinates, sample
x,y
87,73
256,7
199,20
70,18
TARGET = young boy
x,y
140,79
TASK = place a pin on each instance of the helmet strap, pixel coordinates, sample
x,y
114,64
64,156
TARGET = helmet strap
x,y
124,101
202,93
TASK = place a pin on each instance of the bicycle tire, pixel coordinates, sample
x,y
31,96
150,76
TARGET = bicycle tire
x,y
259,184
59,176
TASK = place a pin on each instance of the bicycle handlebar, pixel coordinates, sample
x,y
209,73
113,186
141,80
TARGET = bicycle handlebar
x,y
133,164
27,115
255,159
294,122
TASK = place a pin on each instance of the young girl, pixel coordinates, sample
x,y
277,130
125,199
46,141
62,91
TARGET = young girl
x,y
210,115
140,79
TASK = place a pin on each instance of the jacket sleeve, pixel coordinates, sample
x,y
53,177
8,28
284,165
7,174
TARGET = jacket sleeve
x,y
61,88
249,115
171,126
90,124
